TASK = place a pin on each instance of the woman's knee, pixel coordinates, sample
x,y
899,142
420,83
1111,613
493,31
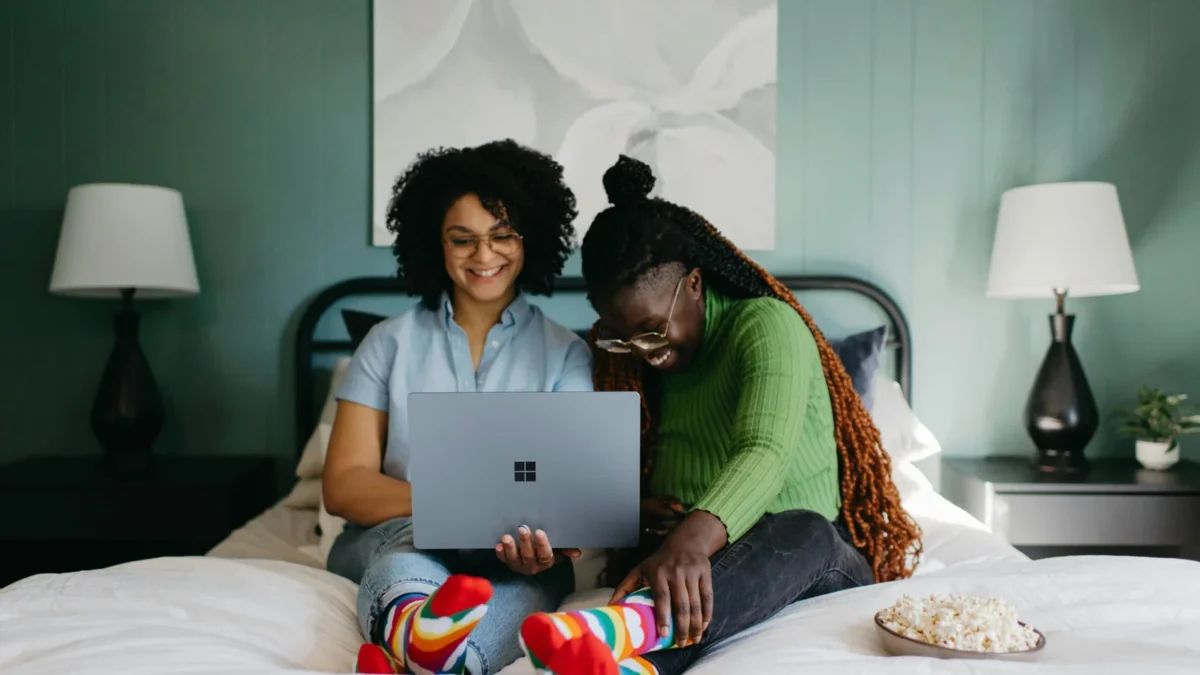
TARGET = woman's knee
x,y
811,532
845,566
345,557
801,528
356,548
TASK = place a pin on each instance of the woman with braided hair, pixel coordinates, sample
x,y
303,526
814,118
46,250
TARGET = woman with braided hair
x,y
764,479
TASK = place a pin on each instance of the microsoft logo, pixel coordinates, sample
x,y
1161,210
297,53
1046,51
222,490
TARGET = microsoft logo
x,y
525,472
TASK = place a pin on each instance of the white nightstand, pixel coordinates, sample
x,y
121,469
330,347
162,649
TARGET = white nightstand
x,y
1117,507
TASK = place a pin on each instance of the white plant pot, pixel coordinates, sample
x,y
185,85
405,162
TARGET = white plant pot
x,y
1154,455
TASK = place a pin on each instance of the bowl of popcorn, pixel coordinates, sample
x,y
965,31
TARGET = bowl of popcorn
x,y
957,627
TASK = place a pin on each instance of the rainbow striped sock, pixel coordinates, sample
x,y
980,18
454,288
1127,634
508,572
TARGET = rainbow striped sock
x,y
637,666
428,634
626,630
587,655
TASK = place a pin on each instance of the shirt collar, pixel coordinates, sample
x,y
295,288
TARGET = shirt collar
x,y
517,313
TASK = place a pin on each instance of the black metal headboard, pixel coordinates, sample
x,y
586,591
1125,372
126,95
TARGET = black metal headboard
x,y
308,346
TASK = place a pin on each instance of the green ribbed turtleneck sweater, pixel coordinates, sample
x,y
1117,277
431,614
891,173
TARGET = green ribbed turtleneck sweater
x,y
748,429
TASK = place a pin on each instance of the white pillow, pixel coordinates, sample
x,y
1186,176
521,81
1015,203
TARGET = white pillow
x,y
331,525
909,481
306,494
312,459
904,437
335,382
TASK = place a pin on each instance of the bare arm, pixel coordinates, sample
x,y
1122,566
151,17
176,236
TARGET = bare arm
x,y
353,485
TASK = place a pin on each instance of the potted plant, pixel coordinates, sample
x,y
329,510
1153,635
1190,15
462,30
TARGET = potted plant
x,y
1156,423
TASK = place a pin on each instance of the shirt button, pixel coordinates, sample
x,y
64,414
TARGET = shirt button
x,y
495,343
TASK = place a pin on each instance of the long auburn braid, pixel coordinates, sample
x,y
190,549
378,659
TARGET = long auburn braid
x,y
634,236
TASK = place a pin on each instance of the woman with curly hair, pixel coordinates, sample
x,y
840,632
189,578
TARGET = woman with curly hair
x,y
764,478
476,230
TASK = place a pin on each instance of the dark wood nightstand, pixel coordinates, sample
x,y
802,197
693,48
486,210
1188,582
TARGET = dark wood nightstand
x,y
63,514
1117,507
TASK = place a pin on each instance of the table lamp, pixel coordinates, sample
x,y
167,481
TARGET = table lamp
x,y
118,241
1054,240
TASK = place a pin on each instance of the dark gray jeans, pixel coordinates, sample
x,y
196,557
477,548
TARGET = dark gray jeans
x,y
785,557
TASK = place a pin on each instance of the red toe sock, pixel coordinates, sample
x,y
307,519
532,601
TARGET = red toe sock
x,y
542,639
373,659
460,593
585,655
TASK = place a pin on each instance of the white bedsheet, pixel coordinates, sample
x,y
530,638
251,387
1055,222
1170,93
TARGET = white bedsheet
x,y
237,615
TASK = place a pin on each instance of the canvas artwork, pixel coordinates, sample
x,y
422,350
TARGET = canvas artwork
x,y
687,86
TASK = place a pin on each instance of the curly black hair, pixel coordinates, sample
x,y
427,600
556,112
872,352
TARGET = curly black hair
x,y
636,235
514,183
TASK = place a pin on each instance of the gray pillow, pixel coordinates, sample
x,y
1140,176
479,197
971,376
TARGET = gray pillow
x,y
860,354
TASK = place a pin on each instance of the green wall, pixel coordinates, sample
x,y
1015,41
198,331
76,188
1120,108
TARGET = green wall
x,y
900,123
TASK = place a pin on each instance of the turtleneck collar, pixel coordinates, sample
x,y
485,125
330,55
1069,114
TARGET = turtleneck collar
x,y
715,312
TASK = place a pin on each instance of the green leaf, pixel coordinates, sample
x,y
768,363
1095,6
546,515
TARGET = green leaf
x,y
1157,415
1138,433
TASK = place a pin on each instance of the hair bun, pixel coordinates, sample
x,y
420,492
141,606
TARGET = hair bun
x,y
628,181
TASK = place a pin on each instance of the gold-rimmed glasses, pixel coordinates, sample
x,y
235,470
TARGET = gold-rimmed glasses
x,y
647,342
464,246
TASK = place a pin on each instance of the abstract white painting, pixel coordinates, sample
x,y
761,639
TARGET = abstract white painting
x,y
687,86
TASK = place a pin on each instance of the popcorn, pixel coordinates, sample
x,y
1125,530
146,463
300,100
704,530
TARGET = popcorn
x,y
960,622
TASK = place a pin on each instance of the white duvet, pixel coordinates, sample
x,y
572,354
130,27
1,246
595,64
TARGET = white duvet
x,y
226,616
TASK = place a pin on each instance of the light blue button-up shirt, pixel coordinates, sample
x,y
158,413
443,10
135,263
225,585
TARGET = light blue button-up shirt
x,y
426,351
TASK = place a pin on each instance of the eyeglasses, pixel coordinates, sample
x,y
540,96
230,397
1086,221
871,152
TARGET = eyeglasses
x,y
501,243
647,342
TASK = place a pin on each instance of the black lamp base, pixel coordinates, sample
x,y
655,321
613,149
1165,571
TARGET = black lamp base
x,y
1061,415
127,414
1061,461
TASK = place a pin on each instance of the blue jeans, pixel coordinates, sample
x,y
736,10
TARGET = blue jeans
x,y
383,562
786,557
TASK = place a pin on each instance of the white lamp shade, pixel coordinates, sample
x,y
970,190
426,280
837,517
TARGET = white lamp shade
x,y
1068,236
117,236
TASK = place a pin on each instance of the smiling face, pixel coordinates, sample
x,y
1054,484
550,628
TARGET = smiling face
x,y
641,319
484,254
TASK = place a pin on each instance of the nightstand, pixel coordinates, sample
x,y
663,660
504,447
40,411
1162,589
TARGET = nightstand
x,y
62,514
1116,508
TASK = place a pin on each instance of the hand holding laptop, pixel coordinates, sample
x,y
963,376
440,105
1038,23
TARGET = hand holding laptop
x,y
531,553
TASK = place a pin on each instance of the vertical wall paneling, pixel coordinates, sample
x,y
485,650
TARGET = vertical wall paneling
x,y
891,160
1007,161
347,192
791,137
1054,71
84,114
837,145
8,101
37,72
1139,126
948,212
900,123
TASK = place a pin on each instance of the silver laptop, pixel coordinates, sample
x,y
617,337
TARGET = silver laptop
x,y
483,464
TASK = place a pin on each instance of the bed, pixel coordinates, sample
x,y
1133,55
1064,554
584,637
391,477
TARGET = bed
x,y
260,602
